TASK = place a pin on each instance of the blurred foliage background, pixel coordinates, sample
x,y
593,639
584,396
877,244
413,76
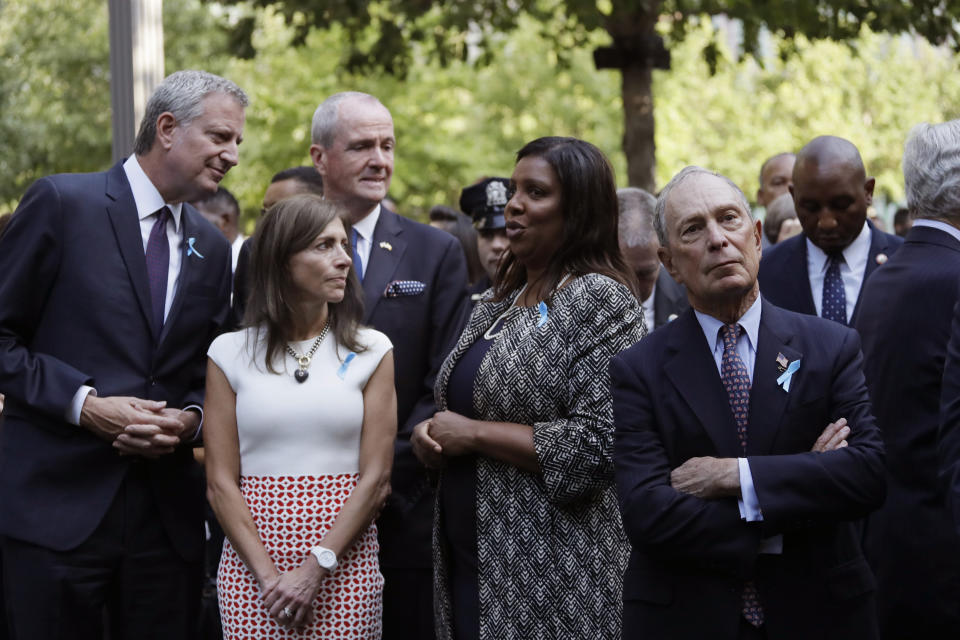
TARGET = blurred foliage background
x,y
457,120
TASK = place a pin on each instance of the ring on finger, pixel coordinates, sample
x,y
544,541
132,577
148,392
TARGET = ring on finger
x,y
287,612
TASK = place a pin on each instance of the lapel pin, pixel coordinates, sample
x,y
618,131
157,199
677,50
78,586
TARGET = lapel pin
x,y
787,376
881,258
672,317
782,362
386,245
192,250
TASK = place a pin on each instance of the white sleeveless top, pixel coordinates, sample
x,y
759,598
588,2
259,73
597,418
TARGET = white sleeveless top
x,y
288,428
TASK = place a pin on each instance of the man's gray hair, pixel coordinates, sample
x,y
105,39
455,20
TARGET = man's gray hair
x,y
182,93
931,171
636,217
323,128
659,217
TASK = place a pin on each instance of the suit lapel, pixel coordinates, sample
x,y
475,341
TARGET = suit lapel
x,y
797,266
386,252
768,400
693,372
878,244
122,211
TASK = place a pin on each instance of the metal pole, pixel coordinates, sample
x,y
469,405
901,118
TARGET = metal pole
x,y
136,65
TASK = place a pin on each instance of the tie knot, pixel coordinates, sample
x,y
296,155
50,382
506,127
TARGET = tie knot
x,y
836,259
730,333
163,214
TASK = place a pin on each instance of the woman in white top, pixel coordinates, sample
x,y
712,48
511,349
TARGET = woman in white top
x,y
300,419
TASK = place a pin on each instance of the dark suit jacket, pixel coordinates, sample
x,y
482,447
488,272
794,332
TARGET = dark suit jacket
x,y
669,298
905,314
75,310
691,556
948,435
423,328
783,271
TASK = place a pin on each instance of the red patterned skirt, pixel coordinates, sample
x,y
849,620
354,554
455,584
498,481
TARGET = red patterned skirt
x,y
292,514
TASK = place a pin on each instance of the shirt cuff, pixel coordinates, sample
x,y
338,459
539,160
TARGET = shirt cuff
x,y
76,405
198,436
748,503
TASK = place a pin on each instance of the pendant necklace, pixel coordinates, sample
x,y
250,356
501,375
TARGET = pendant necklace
x,y
301,374
501,320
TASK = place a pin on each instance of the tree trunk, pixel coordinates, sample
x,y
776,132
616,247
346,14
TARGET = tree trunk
x,y
638,127
632,25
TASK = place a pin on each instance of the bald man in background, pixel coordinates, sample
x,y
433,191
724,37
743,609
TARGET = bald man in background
x,y
821,271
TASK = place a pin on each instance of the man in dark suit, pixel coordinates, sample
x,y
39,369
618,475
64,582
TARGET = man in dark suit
x,y
284,184
743,448
661,297
414,282
112,290
822,271
904,321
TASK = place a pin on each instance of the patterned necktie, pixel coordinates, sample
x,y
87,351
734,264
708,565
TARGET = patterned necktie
x,y
736,380
158,265
834,303
357,261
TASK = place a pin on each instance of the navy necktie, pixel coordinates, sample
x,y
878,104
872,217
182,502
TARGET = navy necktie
x,y
158,266
833,305
736,380
357,261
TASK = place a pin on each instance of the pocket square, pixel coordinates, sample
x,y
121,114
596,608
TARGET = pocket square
x,y
399,288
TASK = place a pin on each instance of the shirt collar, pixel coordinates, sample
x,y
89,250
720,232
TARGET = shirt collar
x,y
145,195
365,226
938,224
855,253
750,321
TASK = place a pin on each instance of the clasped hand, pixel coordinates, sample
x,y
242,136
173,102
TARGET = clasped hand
x,y
445,434
136,426
289,596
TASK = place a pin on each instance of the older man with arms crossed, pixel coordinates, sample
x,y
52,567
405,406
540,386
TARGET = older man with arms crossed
x,y
112,290
744,446
414,283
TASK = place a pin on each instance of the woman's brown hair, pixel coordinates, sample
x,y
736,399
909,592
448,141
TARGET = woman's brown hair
x,y
590,218
288,227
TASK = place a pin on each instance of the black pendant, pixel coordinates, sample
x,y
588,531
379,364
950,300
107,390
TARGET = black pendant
x,y
301,375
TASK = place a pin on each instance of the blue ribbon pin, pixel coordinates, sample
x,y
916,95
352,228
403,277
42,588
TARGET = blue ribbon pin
x,y
192,250
784,379
542,307
342,371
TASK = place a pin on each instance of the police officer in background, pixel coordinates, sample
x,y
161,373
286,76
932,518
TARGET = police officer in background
x,y
484,202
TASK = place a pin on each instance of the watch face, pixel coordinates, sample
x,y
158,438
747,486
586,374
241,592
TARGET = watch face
x,y
326,558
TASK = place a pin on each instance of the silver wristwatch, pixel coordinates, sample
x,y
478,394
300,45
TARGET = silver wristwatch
x,y
326,558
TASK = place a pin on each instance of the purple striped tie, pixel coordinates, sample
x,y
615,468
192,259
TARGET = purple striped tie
x,y
158,264
736,380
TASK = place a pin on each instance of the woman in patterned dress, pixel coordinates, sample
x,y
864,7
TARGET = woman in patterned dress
x,y
298,433
528,540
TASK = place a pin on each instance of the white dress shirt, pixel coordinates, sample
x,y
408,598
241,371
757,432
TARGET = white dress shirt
x,y
938,224
648,318
235,250
747,350
854,265
364,230
148,201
